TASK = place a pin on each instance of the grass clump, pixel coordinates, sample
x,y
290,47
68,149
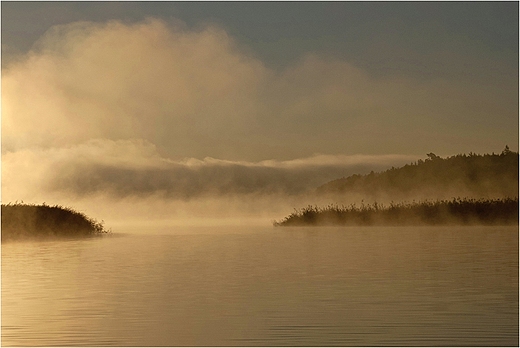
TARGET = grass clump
x,y
441,212
29,221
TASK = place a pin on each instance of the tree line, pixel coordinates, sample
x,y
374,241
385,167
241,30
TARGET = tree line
x,y
467,175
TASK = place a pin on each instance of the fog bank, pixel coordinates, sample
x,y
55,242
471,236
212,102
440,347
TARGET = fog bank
x,y
134,168
197,93
151,119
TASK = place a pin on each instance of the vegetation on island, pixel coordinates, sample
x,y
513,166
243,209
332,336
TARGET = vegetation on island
x,y
486,181
476,176
28,221
442,212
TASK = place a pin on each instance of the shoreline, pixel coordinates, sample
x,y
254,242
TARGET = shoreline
x,y
440,212
31,221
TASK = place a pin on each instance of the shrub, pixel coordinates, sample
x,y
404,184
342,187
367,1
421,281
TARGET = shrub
x,y
42,221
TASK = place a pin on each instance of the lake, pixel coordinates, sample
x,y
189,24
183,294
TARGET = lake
x,y
265,286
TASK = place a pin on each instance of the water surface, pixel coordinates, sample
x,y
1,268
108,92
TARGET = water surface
x,y
239,286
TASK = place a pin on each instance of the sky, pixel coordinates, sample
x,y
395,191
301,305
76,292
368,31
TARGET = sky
x,y
185,98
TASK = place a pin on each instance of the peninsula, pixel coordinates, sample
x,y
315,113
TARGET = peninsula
x,y
28,221
488,184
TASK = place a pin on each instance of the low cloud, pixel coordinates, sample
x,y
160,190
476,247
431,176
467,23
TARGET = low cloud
x,y
134,168
147,113
197,93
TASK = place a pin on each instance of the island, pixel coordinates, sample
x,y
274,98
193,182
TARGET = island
x,y
28,221
428,192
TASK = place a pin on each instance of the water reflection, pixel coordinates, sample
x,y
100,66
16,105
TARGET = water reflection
x,y
297,286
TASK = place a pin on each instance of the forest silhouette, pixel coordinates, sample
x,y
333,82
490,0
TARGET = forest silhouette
x,y
475,176
488,182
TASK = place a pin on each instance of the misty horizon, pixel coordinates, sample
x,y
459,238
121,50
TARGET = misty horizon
x,y
327,173
105,104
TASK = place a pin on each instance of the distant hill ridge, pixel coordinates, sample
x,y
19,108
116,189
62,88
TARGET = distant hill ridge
x,y
473,175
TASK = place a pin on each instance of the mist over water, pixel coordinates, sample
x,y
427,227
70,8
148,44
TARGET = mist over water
x,y
188,147
128,114
118,180
124,174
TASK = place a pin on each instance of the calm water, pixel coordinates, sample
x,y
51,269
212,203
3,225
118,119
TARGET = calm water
x,y
265,286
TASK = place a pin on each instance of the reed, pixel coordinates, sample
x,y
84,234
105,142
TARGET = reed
x,y
440,212
29,221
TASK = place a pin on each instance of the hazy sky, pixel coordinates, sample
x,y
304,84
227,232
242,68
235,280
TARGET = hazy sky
x,y
250,84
